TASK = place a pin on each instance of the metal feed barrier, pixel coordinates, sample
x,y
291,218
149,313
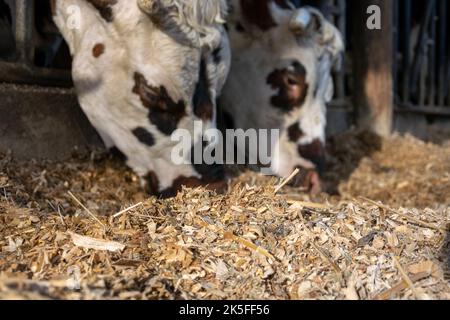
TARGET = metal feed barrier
x,y
20,67
421,56
422,61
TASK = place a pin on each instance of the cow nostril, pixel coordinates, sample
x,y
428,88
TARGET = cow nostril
x,y
292,82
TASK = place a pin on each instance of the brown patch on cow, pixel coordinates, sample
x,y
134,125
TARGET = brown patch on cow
x,y
294,132
104,7
164,113
152,183
192,183
53,7
314,152
291,85
257,12
202,101
98,50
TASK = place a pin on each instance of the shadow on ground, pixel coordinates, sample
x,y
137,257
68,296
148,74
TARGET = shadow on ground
x,y
345,152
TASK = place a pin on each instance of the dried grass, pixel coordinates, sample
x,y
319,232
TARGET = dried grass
x,y
249,243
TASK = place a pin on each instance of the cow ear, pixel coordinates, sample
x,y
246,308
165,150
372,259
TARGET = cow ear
x,y
150,7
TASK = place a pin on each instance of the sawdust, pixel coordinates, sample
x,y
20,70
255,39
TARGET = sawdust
x,y
250,243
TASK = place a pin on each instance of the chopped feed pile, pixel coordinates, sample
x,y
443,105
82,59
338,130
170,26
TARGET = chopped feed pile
x,y
401,171
84,229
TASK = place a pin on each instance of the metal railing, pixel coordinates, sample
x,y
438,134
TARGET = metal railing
x,y
422,58
20,68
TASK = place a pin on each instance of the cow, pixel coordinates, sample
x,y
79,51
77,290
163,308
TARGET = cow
x,y
280,78
143,69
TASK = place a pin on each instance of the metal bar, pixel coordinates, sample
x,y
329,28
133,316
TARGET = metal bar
x,y
420,52
406,65
448,80
442,45
431,60
26,74
340,76
409,108
395,64
24,30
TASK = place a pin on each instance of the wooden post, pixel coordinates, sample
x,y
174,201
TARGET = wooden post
x,y
373,66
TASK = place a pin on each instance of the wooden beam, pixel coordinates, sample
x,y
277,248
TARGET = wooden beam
x,y
373,66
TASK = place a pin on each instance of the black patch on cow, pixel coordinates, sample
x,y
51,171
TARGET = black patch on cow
x,y
144,136
228,120
202,101
191,182
314,152
104,7
118,154
152,183
294,132
164,113
291,85
216,55
209,172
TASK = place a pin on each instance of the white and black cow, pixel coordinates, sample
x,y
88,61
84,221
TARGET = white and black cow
x,y
280,78
144,68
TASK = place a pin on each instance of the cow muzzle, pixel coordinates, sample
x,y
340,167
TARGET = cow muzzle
x,y
308,180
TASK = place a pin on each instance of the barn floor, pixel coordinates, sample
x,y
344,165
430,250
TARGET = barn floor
x,y
382,231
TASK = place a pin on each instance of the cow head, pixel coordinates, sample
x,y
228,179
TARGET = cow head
x,y
145,69
280,78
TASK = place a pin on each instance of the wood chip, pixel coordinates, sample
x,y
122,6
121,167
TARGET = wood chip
x,y
96,244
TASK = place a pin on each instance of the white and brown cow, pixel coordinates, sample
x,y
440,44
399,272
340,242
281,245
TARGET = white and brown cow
x,y
144,68
280,78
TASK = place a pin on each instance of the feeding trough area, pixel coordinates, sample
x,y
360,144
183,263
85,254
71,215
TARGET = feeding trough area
x,y
83,229
351,203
